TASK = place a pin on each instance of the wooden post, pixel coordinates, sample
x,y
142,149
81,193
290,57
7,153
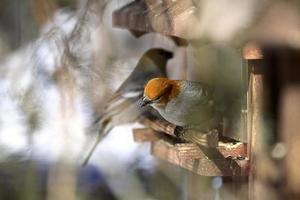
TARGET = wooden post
x,y
274,142
255,140
253,56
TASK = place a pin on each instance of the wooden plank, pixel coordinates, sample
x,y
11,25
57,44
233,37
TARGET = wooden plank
x,y
159,125
145,135
168,17
133,16
205,161
190,150
228,159
209,139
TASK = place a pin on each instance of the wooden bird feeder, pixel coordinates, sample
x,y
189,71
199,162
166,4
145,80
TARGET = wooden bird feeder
x,y
229,158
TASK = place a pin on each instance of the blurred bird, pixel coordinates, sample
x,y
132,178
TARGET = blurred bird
x,y
189,105
122,107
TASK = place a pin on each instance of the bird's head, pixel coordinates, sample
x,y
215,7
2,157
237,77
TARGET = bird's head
x,y
159,91
159,53
160,57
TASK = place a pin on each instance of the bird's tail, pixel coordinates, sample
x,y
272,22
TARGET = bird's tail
x,y
104,130
105,121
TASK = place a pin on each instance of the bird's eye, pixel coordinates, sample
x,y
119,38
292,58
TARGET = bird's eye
x,y
158,98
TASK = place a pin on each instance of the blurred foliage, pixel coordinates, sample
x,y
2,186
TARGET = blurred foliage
x,y
20,19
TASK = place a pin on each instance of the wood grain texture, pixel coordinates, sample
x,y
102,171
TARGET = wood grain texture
x,y
255,137
145,134
228,159
251,51
159,125
202,161
166,16
209,139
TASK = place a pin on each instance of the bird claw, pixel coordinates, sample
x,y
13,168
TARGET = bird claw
x,y
207,139
179,131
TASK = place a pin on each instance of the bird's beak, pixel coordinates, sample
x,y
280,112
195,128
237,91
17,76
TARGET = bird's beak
x,y
144,101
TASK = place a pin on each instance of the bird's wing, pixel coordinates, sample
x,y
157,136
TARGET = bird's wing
x,y
196,105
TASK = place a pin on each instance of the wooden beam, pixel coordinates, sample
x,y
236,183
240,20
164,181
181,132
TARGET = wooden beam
x,y
228,159
165,17
209,139
202,161
159,125
133,16
145,135
255,141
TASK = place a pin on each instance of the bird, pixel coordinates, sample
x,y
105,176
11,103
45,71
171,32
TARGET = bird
x,y
123,107
188,105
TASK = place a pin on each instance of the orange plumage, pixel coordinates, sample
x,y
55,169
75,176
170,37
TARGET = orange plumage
x,y
162,88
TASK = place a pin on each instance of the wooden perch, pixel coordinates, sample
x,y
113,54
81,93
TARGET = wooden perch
x,y
209,139
227,159
205,162
145,135
159,125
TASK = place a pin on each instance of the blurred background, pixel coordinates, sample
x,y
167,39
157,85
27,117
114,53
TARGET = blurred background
x,y
61,61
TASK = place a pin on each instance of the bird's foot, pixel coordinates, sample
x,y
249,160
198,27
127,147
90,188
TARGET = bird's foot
x,y
179,131
207,139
